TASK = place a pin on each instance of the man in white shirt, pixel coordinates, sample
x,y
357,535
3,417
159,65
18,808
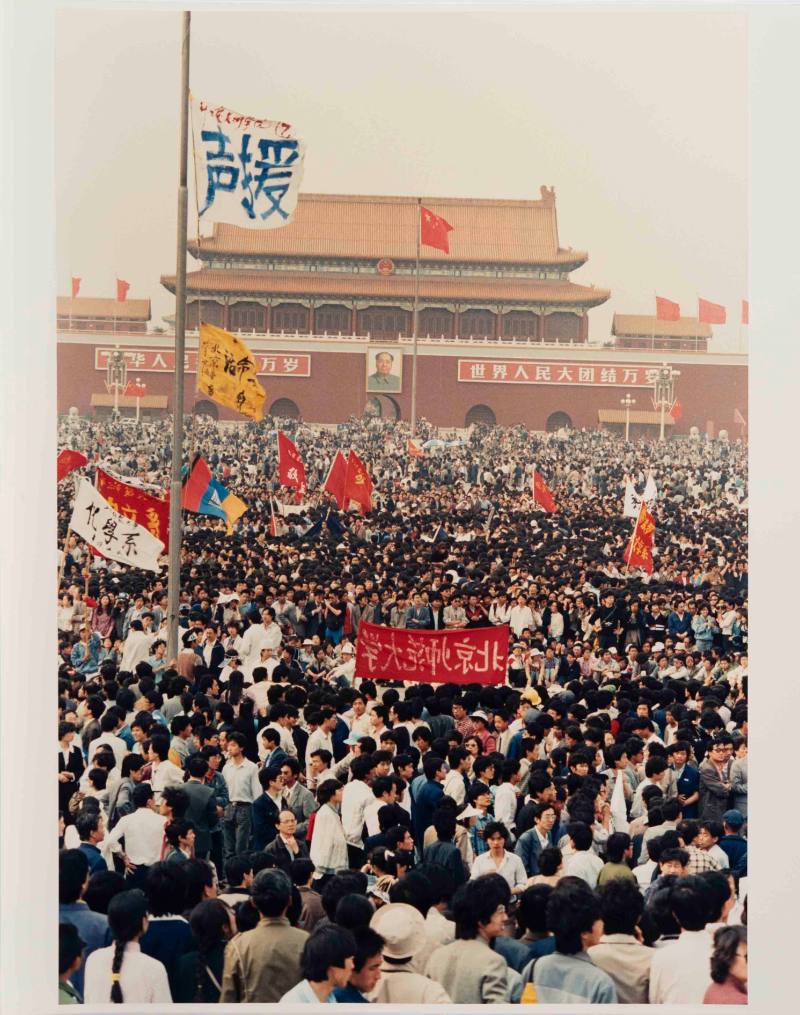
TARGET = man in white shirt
x,y
582,861
521,616
143,832
163,772
109,724
384,792
267,634
356,797
322,737
343,674
358,718
241,779
507,797
136,648
455,782
679,974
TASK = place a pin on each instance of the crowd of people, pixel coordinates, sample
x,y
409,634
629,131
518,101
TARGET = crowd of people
x,y
250,821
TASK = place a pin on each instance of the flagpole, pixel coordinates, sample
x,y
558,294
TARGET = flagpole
x,y
415,329
174,582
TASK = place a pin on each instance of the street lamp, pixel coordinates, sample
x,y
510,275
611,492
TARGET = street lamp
x,y
627,401
664,391
116,376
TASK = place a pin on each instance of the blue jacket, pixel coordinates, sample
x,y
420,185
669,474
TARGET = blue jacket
x,y
93,929
735,848
528,849
265,814
94,856
687,785
676,625
168,939
422,808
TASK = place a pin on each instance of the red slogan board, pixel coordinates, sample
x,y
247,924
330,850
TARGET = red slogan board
x,y
277,364
507,371
476,656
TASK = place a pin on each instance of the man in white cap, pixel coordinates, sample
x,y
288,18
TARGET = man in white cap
x,y
343,674
402,928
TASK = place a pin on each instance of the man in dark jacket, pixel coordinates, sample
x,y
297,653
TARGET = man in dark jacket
x,y
444,851
428,796
734,843
267,808
202,809
285,848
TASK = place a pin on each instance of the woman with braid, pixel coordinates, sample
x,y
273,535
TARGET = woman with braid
x,y
199,975
121,973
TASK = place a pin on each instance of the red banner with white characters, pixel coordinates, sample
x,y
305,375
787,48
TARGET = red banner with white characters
x,y
508,371
476,656
152,513
275,364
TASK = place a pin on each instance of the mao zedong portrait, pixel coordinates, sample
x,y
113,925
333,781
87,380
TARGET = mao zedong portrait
x,y
383,379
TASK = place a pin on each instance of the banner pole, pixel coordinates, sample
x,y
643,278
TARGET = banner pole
x,y
174,581
415,328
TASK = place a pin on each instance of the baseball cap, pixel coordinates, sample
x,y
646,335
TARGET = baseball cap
x,y
734,818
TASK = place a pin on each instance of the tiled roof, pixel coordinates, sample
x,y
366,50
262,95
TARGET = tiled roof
x,y
263,283
643,324
88,306
637,416
355,225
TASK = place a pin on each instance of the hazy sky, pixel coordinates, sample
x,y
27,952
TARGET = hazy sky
x,y
638,119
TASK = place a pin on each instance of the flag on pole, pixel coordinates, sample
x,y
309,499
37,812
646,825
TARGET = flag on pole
x,y
226,372
357,484
205,495
335,480
143,508
434,230
745,312
248,169
68,461
76,285
122,290
632,502
639,552
677,410
542,495
291,470
414,450
619,812
666,310
650,492
115,536
710,313
135,390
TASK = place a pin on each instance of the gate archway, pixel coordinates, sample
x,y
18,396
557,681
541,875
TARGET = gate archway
x,y
557,421
480,415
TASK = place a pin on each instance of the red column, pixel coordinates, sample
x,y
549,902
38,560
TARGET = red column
x,y
540,327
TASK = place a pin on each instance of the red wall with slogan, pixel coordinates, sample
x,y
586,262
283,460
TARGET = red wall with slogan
x,y
336,387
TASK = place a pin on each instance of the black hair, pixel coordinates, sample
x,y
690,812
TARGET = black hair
x,y
496,828
70,946
329,945
726,945
300,871
271,892
126,915
621,906
718,893
348,883
581,835
102,887
87,822
368,945
532,911
177,800
142,793
327,790
414,890
688,900
550,859
165,885
444,822
73,867
616,845
209,922
353,911
440,882
131,763
475,903
572,910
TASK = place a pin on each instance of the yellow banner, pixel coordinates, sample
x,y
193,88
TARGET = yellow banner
x,y
226,372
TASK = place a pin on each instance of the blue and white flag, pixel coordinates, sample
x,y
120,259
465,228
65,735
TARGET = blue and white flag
x,y
248,169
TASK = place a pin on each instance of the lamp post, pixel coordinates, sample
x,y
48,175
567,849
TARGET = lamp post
x,y
627,401
116,376
664,391
138,397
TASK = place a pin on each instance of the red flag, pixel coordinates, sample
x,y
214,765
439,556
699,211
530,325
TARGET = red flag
x,y
134,390
542,496
357,484
152,513
414,450
639,552
76,284
710,313
195,485
434,230
676,411
67,461
745,312
291,471
335,480
666,310
122,290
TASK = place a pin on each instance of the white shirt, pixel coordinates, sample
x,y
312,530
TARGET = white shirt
x,y
117,745
142,979
165,773
242,781
319,740
135,650
371,816
520,618
512,868
287,740
144,835
253,640
505,805
454,786
584,864
356,798
680,973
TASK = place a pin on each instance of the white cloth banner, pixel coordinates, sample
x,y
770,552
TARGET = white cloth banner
x,y
248,169
633,501
114,535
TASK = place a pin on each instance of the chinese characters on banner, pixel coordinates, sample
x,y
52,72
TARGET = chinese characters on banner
x,y
143,508
226,372
158,361
639,552
248,169
506,371
476,656
114,535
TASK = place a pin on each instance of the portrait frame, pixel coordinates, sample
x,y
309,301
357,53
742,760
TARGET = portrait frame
x,y
394,385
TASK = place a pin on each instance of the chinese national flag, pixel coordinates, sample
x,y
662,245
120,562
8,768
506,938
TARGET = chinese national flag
x,y
357,484
710,313
135,390
335,480
414,450
291,471
542,496
676,411
745,312
122,290
666,310
68,461
76,285
434,230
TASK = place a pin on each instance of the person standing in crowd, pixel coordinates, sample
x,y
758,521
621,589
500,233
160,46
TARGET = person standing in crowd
x,y
327,963
728,967
73,881
70,948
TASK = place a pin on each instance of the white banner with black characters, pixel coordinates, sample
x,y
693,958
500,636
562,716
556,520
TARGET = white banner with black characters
x,y
114,535
247,169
